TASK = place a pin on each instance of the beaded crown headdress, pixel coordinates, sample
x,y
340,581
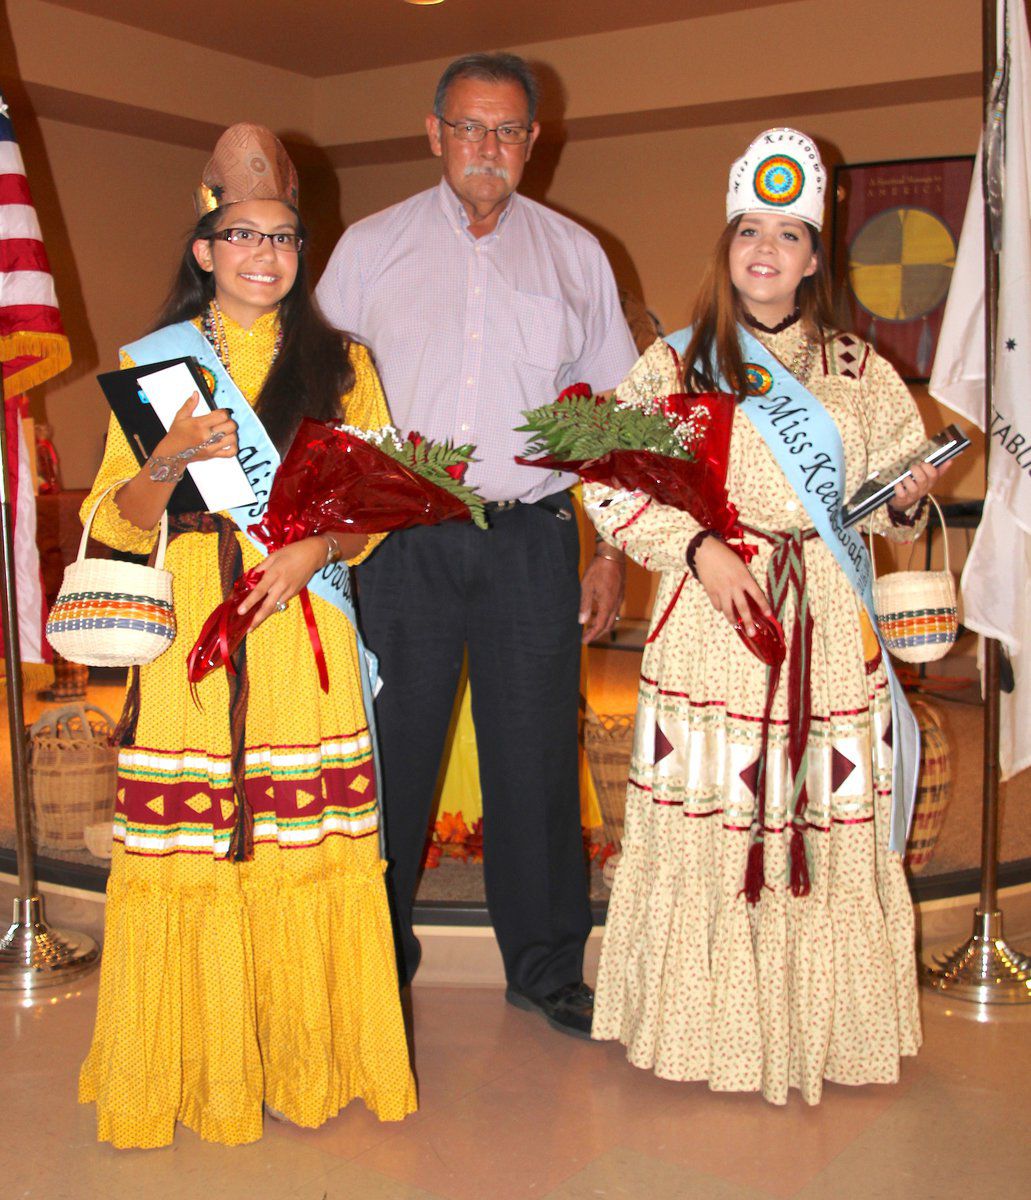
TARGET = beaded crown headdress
x,y
781,171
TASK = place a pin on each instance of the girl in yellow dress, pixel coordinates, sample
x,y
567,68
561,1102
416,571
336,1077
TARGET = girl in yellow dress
x,y
248,954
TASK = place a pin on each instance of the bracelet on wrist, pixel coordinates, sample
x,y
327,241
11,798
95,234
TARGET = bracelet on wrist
x,y
168,468
694,543
332,550
604,550
906,518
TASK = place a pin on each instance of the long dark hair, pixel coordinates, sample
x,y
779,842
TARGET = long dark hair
x,y
313,369
714,351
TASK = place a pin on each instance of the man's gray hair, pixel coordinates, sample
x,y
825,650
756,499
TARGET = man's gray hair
x,y
490,68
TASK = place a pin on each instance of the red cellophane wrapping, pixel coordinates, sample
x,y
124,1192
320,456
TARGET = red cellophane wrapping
x,y
696,486
329,480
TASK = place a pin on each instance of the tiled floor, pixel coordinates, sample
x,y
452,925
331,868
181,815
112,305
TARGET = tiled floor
x,y
510,1110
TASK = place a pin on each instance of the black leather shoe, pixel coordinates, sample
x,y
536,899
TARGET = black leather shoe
x,y
570,1009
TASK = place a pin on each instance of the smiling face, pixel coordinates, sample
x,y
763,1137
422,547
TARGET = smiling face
x,y
250,281
769,257
482,174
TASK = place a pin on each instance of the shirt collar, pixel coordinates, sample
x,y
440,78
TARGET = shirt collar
x,y
458,218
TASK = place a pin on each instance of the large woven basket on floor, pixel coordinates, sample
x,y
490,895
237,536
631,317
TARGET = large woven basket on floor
x,y
73,774
934,787
608,741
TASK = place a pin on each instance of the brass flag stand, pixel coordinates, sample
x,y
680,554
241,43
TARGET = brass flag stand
x,y
985,969
32,955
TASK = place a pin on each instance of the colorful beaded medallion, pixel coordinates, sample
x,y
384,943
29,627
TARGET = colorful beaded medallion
x,y
778,180
759,379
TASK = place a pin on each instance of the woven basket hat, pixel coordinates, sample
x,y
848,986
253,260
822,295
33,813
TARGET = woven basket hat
x,y
249,163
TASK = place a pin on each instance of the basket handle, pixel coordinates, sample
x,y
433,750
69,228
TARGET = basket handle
x,y
159,560
92,708
58,718
945,540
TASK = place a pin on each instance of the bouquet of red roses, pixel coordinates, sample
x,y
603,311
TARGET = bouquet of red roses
x,y
339,477
674,449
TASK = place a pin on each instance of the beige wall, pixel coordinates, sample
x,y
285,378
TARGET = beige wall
x,y
89,57
640,129
123,206
745,54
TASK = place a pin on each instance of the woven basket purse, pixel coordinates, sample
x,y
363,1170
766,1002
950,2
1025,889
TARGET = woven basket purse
x,y
916,610
110,613
73,775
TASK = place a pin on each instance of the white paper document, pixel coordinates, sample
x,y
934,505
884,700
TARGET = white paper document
x,y
220,481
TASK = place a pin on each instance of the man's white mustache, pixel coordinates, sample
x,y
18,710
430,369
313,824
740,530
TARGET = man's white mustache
x,y
500,172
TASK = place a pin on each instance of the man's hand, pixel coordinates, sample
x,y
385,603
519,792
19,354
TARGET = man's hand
x,y
601,594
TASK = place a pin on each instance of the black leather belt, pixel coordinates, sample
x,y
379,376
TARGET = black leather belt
x,y
558,504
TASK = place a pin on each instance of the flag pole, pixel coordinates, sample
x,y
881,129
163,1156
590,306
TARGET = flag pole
x,y
32,955
985,970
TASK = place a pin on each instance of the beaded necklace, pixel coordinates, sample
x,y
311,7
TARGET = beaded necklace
x,y
213,326
801,364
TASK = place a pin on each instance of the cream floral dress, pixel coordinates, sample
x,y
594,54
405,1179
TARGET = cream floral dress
x,y
694,981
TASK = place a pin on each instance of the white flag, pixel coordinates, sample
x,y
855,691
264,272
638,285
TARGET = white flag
x,y
995,580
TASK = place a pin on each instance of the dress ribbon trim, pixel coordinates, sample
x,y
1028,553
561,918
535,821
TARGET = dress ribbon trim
x,y
815,468
786,576
260,459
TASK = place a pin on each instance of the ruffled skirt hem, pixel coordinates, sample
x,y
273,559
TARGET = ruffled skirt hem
x,y
700,986
271,982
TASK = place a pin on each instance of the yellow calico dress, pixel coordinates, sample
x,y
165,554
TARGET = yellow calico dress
x,y
224,985
695,982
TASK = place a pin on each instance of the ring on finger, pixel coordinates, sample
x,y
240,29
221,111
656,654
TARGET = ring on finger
x,y
280,606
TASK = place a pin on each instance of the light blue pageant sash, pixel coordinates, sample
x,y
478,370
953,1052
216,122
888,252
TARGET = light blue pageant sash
x,y
259,459
815,468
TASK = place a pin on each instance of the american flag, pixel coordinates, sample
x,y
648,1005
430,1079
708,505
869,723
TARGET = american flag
x,y
32,339
33,348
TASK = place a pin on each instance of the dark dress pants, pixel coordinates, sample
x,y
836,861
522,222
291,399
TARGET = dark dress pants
x,y
511,597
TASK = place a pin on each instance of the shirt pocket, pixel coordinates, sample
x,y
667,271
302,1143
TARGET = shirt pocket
x,y
540,331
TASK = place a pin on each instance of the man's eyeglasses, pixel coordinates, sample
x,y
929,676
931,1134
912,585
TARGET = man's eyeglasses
x,y
473,131
251,239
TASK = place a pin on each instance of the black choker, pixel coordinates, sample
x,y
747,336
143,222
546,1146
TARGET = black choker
x,y
788,321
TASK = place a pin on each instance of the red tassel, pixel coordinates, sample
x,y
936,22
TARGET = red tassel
x,y
755,878
799,864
